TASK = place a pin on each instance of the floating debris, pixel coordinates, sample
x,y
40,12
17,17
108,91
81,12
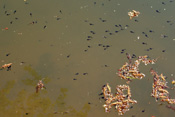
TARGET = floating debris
x,y
6,28
173,82
8,66
171,107
131,71
40,86
159,88
121,101
133,13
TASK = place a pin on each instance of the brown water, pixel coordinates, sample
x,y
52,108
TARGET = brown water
x,y
55,49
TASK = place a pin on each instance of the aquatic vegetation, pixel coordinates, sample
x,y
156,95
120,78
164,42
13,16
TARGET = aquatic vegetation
x,y
4,101
35,104
64,109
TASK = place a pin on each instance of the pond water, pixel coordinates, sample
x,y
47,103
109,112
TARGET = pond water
x,y
75,48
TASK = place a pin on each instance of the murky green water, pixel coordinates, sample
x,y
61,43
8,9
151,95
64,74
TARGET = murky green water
x,y
75,47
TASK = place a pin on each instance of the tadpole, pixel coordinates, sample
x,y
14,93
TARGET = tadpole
x,y
163,50
8,54
157,11
45,27
131,31
144,43
85,73
14,11
68,56
136,20
143,111
76,73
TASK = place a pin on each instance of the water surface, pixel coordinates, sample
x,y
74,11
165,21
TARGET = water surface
x,y
75,48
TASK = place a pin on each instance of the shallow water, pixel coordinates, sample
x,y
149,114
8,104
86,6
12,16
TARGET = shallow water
x,y
74,67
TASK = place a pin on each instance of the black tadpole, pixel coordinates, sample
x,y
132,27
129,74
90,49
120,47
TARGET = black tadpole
x,y
8,54
99,44
143,111
45,27
163,3
163,50
92,32
123,49
89,36
136,20
131,31
116,25
144,43
134,56
151,31
58,18
76,73
146,35
68,56
157,11
85,73
14,11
